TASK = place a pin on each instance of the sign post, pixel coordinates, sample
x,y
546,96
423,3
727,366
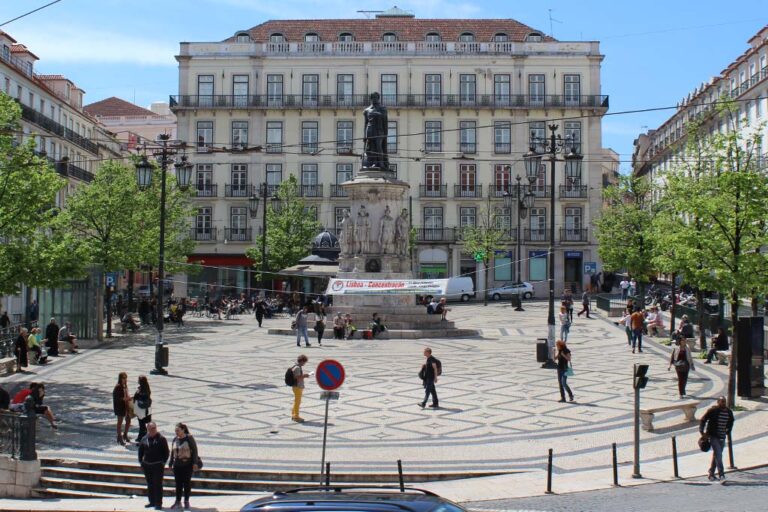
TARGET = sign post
x,y
329,376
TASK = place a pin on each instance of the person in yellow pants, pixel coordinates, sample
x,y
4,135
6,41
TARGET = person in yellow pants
x,y
298,388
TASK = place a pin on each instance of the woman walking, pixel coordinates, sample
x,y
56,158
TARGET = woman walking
x,y
683,363
260,308
319,323
300,321
184,462
142,402
565,323
122,405
563,358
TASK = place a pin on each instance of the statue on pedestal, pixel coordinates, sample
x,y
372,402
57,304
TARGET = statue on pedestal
x,y
362,231
375,138
347,235
402,233
386,232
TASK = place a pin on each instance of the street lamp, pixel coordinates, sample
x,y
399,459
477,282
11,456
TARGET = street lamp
x,y
253,206
533,159
524,201
164,153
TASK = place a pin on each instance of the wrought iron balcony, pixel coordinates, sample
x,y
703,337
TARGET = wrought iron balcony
x,y
239,190
45,122
536,235
311,190
238,234
72,171
468,191
573,191
469,148
573,235
356,101
502,148
338,191
203,234
206,190
436,234
433,190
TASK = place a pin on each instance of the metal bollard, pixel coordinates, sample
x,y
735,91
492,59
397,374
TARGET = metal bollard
x,y
730,452
549,473
327,474
615,466
400,475
674,457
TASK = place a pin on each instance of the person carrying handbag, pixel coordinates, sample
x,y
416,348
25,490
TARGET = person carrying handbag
x,y
682,360
184,461
563,358
122,406
142,404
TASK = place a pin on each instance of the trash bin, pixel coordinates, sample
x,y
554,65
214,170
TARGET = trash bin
x,y
164,356
516,301
542,350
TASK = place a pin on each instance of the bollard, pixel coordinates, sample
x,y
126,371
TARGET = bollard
x,y
615,466
327,474
674,457
400,475
730,452
549,473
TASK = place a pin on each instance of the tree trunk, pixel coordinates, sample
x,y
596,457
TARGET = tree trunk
x,y
734,349
485,286
108,302
755,303
131,305
700,312
673,294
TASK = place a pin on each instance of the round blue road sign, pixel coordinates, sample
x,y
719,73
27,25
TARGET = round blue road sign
x,y
329,374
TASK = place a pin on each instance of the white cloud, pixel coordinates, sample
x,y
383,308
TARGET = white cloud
x,y
67,44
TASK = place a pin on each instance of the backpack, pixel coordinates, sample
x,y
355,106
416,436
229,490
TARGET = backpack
x,y
290,377
439,366
430,309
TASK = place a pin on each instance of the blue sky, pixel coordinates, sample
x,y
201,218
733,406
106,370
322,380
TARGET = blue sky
x,y
655,52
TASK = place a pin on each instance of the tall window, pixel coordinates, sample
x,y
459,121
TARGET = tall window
x,y
502,218
572,89
274,136
467,180
343,136
308,136
274,178
204,134
309,180
502,178
433,89
573,224
433,136
310,88
572,133
467,216
536,90
392,137
238,224
240,90
537,135
343,173
205,90
393,169
204,223
433,180
538,224
344,89
501,90
204,180
239,134
239,180
502,137
467,89
433,221
275,90
389,89
468,137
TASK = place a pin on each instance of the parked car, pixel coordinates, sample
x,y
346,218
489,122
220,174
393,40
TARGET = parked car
x,y
357,498
507,290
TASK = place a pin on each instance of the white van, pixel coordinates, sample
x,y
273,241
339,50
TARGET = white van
x,y
460,288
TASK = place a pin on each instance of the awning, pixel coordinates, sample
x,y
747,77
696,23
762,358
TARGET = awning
x,y
309,270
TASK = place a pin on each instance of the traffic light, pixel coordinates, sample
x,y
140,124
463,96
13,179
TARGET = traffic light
x,y
640,379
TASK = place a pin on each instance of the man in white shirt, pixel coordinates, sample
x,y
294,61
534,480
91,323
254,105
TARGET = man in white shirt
x,y
624,285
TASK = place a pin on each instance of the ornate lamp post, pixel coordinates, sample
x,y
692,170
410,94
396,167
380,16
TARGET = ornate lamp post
x,y
524,201
253,206
551,147
164,153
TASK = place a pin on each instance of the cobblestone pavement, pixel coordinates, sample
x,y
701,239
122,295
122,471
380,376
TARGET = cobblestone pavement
x,y
500,409
742,492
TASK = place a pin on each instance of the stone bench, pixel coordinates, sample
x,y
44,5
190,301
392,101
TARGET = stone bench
x,y
7,365
688,408
723,356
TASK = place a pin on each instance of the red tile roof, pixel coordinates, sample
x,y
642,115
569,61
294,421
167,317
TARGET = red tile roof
x,y
6,34
407,29
116,107
53,77
20,48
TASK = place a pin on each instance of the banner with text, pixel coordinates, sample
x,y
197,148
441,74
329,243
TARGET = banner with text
x,y
387,287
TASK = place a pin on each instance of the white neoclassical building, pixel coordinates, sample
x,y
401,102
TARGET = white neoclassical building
x,y
464,99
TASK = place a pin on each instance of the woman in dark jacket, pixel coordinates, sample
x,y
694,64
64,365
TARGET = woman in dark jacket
x,y
563,359
122,405
184,462
21,349
682,360
142,403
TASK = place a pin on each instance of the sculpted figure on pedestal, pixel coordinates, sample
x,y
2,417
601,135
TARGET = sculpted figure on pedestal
x,y
362,231
375,138
401,233
386,232
347,235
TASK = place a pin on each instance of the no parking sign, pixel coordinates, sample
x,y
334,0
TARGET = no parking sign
x,y
329,374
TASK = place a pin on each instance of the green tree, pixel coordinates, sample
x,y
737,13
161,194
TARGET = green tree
x,y
728,199
290,230
623,229
482,239
31,252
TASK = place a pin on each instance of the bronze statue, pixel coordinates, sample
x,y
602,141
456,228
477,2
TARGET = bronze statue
x,y
375,140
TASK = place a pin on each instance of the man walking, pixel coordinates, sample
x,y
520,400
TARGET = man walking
x,y
717,422
584,304
298,387
429,373
301,326
636,321
153,454
52,338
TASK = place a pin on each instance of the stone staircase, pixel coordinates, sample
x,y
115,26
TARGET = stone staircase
x,y
105,479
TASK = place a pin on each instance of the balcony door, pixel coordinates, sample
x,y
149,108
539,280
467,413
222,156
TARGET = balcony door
x,y
240,90
204,223
433,223
538,224
205,90
467,180
573,224
536,90
433,89
239,180
433,179
238,224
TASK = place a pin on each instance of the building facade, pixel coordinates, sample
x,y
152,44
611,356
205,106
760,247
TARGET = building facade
x,y
131,123
464,100
745,80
